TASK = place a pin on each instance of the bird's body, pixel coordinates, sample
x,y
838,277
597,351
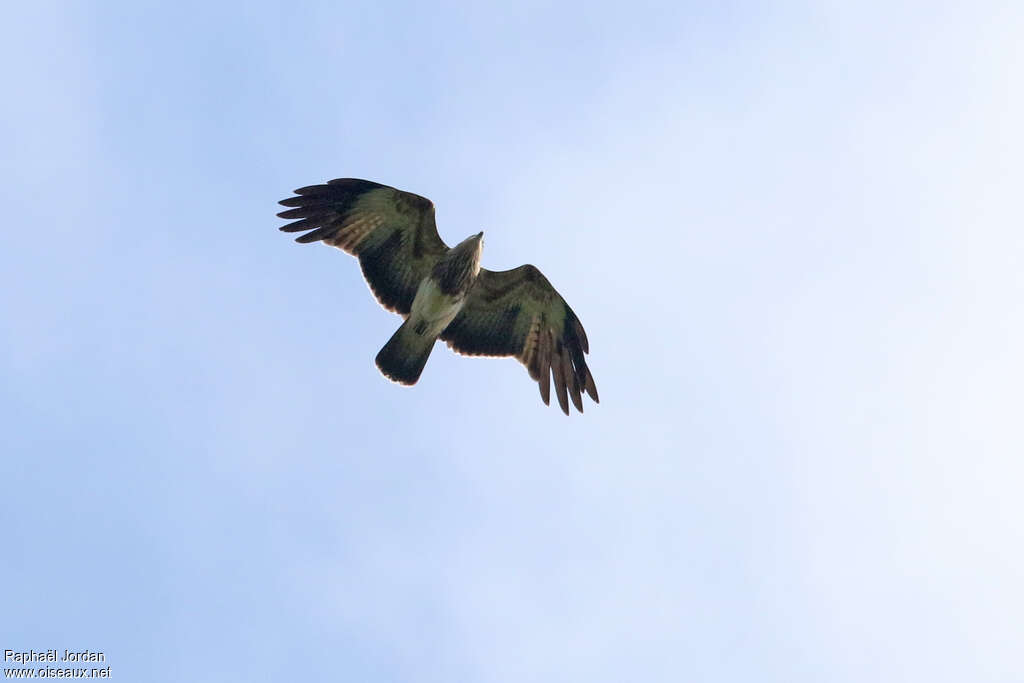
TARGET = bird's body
x,y
439,298
444,293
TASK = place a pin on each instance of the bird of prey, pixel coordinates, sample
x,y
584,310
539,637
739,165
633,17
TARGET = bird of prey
x,y
442,292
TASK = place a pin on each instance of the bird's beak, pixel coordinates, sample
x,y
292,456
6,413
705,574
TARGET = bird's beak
x,y
480,235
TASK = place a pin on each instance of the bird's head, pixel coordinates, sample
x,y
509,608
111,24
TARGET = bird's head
x,y
473,247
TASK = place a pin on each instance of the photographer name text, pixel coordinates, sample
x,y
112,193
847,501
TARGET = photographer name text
x,y
54,656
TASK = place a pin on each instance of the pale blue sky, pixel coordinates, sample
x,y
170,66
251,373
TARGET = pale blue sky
x,y
792,230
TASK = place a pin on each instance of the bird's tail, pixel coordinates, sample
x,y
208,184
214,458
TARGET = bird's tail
x,y
403,357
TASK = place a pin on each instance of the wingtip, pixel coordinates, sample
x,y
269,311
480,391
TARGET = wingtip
x,y
591,388
581,334
576,395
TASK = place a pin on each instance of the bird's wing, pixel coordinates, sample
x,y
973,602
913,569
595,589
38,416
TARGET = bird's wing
x,y
391,232
518,313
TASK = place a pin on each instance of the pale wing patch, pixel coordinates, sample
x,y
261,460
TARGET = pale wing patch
x,y
353,232
531,347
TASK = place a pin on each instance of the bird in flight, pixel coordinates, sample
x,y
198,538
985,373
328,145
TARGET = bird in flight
x,y
441,291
